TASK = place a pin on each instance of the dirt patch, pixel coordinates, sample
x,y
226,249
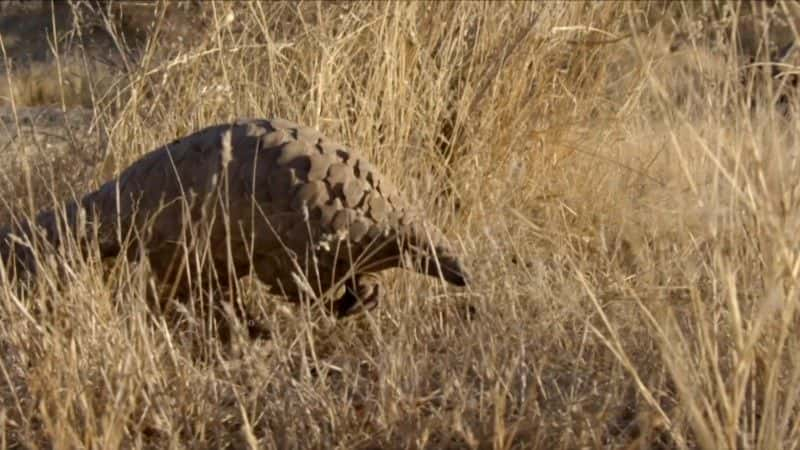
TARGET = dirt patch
x,y
61,53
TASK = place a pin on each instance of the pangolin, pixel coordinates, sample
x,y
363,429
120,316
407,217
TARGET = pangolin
x,y
273,198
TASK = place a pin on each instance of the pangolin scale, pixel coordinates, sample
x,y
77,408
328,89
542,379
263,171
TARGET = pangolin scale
x,y
274,198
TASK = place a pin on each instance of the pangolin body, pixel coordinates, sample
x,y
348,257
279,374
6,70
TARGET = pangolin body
x,y
272,198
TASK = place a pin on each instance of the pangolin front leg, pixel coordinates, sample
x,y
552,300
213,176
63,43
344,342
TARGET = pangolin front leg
x,y
361,293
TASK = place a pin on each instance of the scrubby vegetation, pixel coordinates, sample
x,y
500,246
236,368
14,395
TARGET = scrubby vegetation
x,y
622,178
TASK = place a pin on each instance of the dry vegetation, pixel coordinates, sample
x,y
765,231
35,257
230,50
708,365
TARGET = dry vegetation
x,y
622,178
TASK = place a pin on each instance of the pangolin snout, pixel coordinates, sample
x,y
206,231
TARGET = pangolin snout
x,y
454,272
447,266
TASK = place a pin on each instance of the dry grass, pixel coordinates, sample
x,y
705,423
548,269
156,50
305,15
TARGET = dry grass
x,y
629,213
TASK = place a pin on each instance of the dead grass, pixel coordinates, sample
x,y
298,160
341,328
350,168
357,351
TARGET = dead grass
x,y
629,213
